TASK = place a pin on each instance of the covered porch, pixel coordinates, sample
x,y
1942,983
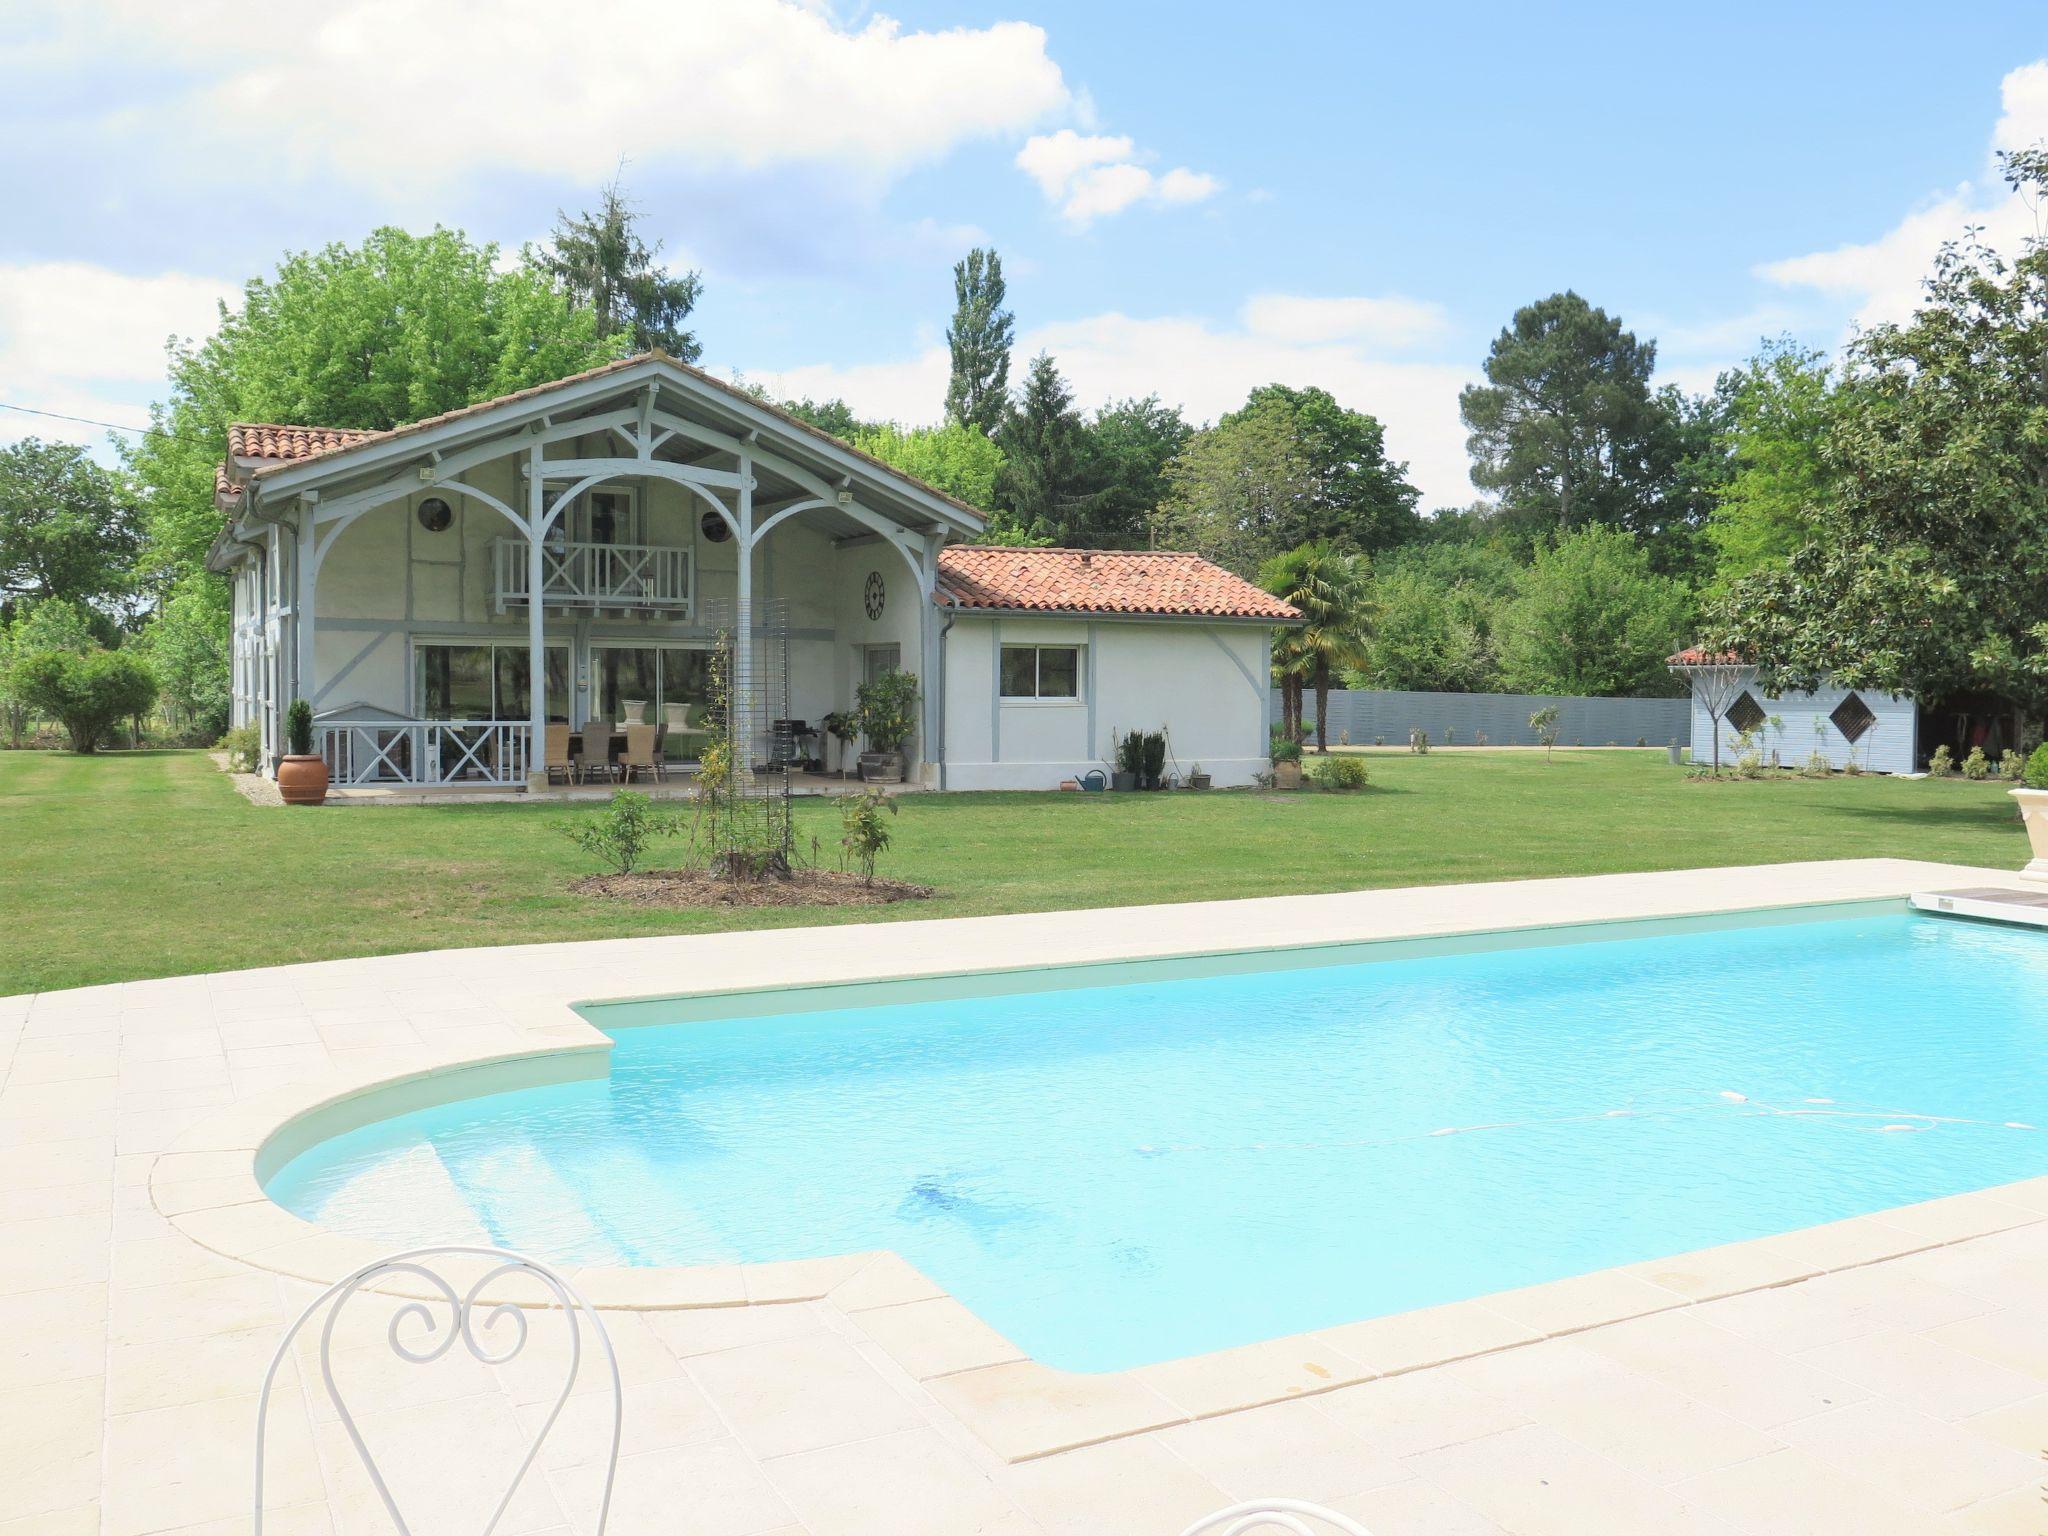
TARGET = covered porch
x,y
665,519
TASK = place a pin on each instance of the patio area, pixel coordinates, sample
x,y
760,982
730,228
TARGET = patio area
x,y
1883,1374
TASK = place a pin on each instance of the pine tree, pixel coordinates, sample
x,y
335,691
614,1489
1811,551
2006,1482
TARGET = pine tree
x,y
604,266
1047,482
979,338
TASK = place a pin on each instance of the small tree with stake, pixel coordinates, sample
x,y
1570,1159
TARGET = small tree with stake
x,y
1544,723
1717,679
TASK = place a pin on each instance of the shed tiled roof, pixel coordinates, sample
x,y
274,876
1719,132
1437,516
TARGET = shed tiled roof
x,y
1700,656
1161,583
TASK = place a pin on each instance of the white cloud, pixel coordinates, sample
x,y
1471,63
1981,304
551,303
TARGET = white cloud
x,y
87,341
385,93
1882,278
1090,176
1387,322
1206,368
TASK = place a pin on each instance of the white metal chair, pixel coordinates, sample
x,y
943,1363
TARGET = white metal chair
x,y
435,1335
1294,1517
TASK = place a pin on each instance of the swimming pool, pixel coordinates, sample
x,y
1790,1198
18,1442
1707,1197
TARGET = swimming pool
x,y
1132,1163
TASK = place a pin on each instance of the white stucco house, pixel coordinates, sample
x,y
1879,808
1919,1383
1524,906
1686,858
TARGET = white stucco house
x,y
388,578
1876,731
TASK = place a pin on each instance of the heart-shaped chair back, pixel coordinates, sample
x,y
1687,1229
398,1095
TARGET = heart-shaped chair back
x,y
440,1316
1288,1517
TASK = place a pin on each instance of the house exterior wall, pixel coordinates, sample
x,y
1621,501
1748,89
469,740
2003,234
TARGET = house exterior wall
x,y
1889,746
1205,684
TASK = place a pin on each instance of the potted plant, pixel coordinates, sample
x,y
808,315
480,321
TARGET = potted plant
x,y
1286,762
635,711
1155,758
301,772
1130,760
887,711
2033,801
842,726
1197,778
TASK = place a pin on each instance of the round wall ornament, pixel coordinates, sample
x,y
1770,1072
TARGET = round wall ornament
x,y
435,514
875,595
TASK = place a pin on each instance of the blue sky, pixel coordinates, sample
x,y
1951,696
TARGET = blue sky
x,y
1190,199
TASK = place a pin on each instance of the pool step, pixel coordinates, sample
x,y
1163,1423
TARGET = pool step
x,y
1992,903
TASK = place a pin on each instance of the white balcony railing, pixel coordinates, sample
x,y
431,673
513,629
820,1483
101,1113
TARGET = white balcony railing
x,y
425,752
595,576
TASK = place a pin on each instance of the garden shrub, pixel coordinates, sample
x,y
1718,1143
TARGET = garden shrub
x,y
88,692
2011,764
1285,748
2036,773
864,830
621,832
243,745
1942,763
1977,766
1340,773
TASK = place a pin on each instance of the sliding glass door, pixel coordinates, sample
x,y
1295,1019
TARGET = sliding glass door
x,y
672,681
471,681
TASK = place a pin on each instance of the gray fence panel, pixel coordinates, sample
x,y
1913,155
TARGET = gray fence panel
x,y
1460,718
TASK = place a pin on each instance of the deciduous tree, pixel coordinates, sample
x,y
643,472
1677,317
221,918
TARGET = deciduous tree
x,y
1928,569
68,527
1590,617
1781,409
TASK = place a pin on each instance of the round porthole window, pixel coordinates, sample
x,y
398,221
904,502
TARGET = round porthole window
x,y
435,514
875,595
716,529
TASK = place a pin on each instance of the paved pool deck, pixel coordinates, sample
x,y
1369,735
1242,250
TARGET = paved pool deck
x,y
1883,1374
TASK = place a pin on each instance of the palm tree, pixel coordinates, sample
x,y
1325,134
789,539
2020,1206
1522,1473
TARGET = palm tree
x,y
1333,592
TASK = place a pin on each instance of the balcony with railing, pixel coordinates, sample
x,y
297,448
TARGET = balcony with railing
x,y
594,576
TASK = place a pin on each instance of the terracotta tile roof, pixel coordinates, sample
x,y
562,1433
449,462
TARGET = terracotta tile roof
x,y
1699,656
356,439
1166,583
277,444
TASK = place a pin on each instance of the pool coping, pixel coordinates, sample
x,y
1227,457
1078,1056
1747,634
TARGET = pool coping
x,y
209,1182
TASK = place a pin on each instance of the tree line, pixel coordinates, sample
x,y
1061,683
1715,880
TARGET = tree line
x,y
1874,518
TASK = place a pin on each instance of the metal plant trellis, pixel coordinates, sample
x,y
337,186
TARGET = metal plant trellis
x,y
429,1316
744,778
1717,679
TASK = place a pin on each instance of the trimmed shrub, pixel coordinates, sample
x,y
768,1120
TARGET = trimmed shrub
x,y
1977,766
1942,763
2036,774
1339,772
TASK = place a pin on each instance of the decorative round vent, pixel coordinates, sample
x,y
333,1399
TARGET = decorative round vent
x,y
714,527
435,515
875,595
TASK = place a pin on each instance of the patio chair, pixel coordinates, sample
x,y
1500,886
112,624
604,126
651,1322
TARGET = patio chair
x,y
640,759
594,760
422,1331
558,762
1292,1517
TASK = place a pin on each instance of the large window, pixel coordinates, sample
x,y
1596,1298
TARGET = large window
x,y
665,678
1041,672
469,681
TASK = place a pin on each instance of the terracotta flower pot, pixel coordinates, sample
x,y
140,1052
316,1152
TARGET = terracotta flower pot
x,y
302,780
2034,811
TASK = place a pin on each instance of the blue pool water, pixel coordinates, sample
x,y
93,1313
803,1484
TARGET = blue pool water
x,y
1119,1173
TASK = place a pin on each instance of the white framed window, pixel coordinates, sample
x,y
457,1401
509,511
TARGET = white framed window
x,y
1043,672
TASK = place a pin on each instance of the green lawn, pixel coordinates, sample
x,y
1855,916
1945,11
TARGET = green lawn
x,y
149,864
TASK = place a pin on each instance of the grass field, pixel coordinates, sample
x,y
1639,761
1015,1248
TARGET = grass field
x,y
149,864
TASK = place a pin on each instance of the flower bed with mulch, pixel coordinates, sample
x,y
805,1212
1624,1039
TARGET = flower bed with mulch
x,y
699,888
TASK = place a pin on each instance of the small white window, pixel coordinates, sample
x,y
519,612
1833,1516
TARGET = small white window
x,y
1041,672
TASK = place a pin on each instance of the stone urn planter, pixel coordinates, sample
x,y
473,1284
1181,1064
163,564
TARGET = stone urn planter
x,y
2034,812
1287,774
